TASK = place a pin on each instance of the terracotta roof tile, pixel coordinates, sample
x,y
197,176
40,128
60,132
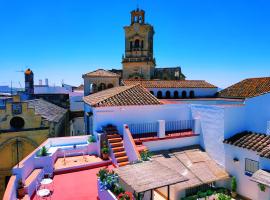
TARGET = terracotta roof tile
x,y
122,96
47,110
250,87
170,83
257,142
101,73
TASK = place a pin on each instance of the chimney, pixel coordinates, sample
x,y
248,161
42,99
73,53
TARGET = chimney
x,y
46,81
40,82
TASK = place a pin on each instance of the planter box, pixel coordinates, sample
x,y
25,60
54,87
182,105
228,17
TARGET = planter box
x,y
105,194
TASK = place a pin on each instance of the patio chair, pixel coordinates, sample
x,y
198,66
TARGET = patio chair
x,y
42,193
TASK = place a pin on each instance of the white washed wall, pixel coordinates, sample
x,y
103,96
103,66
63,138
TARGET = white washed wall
x,y
212,130
258,113
138,114
172,143
245,187
234,120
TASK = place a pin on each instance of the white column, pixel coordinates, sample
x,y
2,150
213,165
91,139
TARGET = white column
x,y
197,126
161,128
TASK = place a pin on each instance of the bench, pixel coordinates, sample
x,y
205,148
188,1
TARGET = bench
x,y
31,180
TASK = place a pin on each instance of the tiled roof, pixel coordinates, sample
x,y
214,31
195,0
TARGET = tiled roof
x,y
170,83
252,141
47,110
250,87
101,73
122,96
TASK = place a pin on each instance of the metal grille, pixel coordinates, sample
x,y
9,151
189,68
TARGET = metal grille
x,y
179,125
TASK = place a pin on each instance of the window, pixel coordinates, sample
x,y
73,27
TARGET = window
x,y
159,95
191,94
184,94
142,44
130,45
17,122
251,166
110,85
168,94
175,95
137,44
16,108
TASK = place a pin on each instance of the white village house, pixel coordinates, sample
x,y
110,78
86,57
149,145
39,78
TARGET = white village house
x,y
234,131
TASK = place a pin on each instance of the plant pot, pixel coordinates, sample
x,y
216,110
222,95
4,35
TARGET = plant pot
x,y
105,156
234,194
21,192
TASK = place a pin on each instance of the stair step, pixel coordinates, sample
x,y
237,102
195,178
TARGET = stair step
x,y
115,140
122,159
123,164
117,144
113,136
118,149
119,154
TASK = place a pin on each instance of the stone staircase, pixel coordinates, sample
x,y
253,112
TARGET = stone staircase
x,y
116,145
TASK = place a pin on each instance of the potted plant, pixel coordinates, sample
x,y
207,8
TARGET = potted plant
x,y
91,139
234,187
102,174
43,152
145,155
20,189
105,152
262,187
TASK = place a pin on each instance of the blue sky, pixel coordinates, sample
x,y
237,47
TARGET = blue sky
x,y
221,41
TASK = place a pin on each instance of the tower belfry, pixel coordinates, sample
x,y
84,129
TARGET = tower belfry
x,y
138,61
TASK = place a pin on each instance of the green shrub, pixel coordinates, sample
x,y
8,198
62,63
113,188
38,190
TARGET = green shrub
x,y
202,194
223,197
233,184
102,174
105,150
43,151
209,192
262,187
91,139
118,190
145,155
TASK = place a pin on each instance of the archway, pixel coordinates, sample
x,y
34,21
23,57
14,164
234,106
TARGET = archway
x,y
191,94
159,95
168,94
110,85
94,88
175,95
137,43
17,122
101,87
152,92
184,94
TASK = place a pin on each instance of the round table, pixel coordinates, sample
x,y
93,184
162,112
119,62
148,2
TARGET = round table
x,y
46,181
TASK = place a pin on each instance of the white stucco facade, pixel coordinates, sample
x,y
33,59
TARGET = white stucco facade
x,y
214,124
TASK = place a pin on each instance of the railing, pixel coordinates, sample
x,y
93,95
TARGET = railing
x,y
144,129
182,125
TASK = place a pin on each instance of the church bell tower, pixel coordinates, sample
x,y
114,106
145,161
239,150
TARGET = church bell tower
x,y
138,61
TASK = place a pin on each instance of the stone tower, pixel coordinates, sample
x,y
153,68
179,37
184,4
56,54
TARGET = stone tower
x,y
29,82
138,61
